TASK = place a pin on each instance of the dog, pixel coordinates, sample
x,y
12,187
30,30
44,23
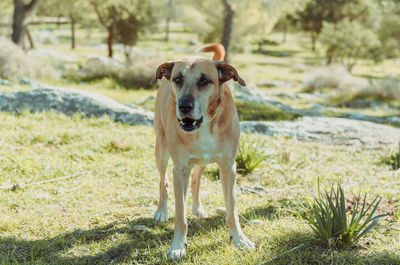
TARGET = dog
x,y
196,123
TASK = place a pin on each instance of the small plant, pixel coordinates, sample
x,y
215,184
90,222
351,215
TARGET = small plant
x,y
328,218
251,154
393,160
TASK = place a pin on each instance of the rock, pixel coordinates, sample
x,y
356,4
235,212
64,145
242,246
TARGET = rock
x,y
336,131
254,189
72,101
4,82
141,228
220,210
274,83
362,104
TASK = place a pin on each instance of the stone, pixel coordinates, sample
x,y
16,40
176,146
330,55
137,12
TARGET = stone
x,y
328,130
73,101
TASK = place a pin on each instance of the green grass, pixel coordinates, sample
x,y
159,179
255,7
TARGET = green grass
x,y
90,218
86,184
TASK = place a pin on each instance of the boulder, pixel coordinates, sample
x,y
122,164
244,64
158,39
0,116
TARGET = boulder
x,y
337,131
72,101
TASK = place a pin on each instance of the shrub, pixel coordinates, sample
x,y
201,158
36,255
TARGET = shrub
x,y
328,218
348,41
250,155
251,111
137,75
16,64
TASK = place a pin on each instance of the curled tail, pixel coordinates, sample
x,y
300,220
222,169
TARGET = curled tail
x,y
216,48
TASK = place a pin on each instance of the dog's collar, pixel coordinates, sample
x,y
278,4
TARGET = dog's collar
x,y
217,111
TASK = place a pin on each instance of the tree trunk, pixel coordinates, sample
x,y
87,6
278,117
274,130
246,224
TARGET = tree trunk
x,y
284,31
110,39
28,34
73,21
313,41
228,25
169,10
21,11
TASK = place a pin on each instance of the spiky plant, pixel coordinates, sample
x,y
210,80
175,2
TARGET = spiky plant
x,y
250,155
328,218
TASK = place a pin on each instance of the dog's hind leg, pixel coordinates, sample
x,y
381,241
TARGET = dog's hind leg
x,y
162,157
197,208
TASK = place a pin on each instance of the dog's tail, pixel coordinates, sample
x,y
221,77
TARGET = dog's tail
x,y
216,48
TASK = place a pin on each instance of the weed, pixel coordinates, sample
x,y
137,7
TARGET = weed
x,y
251,154
328,218
393,160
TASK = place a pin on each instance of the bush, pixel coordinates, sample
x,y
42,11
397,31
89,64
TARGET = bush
x,y
251,111
16,64
347,87
137,75
328,218
348,41
250,155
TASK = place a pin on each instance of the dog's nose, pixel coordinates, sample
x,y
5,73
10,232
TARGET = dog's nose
x,y
186,106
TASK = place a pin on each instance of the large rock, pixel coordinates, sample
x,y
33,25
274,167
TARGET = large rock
x,y
328,130
72,101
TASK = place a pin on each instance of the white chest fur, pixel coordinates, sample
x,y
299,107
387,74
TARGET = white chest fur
x,y
206,146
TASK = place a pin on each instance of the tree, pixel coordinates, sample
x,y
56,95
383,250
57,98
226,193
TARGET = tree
x,y
348,41
228,25
124,20
75,10
21,12
316,12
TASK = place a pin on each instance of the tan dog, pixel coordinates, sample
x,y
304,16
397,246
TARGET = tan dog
x,y
196,123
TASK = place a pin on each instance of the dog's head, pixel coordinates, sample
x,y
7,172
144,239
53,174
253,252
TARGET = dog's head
x,y
196,83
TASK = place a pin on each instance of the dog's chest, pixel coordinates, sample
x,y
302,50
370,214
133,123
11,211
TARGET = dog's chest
x,y
205,148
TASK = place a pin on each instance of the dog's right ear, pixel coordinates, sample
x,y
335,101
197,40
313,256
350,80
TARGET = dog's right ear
x,y
163,70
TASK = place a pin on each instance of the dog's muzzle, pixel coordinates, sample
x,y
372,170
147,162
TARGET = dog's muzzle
x,y
188,124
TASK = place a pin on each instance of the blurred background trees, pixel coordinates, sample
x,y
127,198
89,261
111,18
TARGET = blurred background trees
x,y
343,30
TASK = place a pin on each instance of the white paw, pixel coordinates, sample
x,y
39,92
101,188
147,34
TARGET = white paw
x,y
161,215
241,241
176,253
199,212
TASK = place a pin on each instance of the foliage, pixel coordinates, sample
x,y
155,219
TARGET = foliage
x,y
328,218
393,160
348,42
16,64
312,17
250,155
251,111
389,28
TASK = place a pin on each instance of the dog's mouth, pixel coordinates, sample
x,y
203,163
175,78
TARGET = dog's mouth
x,y
188,124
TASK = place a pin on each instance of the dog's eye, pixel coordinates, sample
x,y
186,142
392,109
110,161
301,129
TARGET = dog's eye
x,y
203,82
178,80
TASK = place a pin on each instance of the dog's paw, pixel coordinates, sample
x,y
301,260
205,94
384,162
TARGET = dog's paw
x,y
176,253
199,212
241,241
161,215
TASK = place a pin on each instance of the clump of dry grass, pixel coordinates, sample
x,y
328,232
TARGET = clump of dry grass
x,y
16,64
136,75
341,85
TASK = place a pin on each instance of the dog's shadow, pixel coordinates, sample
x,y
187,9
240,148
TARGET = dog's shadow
x,y
121,241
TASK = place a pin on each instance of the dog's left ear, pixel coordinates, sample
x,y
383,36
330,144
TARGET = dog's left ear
x,y
227,72
163,70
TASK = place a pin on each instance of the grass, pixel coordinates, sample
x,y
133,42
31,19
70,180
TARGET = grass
x,y
91,218
87,185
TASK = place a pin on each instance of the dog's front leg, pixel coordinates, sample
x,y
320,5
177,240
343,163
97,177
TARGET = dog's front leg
x,y
180,179
228,179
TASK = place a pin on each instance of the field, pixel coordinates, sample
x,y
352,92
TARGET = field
x,y
83,191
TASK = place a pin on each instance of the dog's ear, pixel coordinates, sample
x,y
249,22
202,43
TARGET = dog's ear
x,y
163,70
227,72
